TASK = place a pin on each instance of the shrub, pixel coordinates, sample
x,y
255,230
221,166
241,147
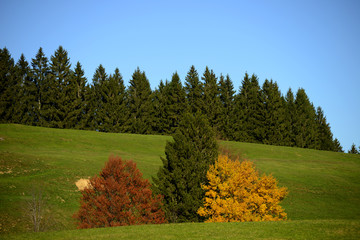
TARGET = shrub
x,y
118,196
236,193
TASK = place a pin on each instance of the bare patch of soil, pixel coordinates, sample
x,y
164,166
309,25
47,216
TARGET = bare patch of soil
x,y
82,184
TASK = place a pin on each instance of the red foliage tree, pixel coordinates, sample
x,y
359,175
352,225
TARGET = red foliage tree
x,y
119,196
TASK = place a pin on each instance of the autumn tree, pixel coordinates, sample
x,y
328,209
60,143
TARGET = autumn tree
x,y
236,193
119,196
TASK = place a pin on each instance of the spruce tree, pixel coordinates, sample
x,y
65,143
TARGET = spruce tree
x,y
324,134
88,120
114,104
175,104
39,74
8,85
226,119
353,149
99,98
194,91
290,115
26,93
160,123
76,95
184,169
139,104
211,98
249,111
337,146
304,125
60,90
274,114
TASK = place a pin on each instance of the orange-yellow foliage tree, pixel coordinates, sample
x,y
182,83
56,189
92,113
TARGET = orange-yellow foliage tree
x,y
236,193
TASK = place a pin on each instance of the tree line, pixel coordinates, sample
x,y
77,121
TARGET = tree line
x,y
48,92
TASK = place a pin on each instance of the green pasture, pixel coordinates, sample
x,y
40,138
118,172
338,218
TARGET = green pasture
x,y
324,187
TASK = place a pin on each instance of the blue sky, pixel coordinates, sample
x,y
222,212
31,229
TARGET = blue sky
x,y
310,44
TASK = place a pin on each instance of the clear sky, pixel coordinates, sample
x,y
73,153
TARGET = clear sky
x,y
310,44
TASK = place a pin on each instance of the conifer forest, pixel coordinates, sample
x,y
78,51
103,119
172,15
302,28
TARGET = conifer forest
x,y
51,92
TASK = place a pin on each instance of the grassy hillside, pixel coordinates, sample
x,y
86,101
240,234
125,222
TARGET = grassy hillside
x,y
322,185
300,229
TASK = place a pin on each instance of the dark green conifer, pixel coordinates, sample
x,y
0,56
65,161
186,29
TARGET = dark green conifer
x,y
226,119
304,125
139,104
249,111
88,121
324,134
194,91
337,146
26,93
161,122
114,103
353,149
211,98
184,169
76,95
175,102
39,73
57,92
290,115
274,114
7,86
99,99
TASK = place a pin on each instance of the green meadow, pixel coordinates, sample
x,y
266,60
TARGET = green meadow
x,y
323,200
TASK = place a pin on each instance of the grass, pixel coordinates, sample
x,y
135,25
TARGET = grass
x,y
301,229
324,186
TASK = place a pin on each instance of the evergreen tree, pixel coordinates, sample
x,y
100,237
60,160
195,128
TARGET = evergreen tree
x,y
59,94
8,85
274,114
161,123
194,91
99,98
88,120
353,149
139,104
76,95
175,102
290,115
114,104
337,146
226,119
211,98
249,111
39,73
25,93
184,169
324,135
304,126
